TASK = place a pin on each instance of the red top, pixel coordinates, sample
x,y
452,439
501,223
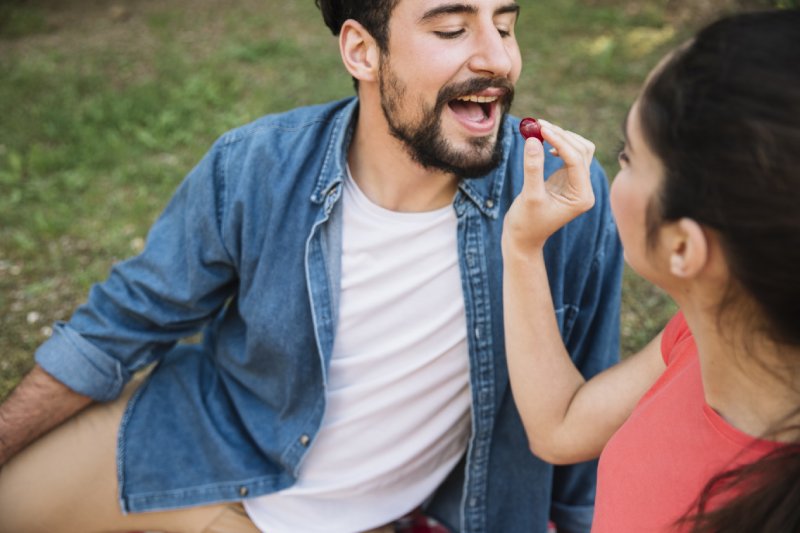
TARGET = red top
x,y
658,462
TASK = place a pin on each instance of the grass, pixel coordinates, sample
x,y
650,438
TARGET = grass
x,y
104,110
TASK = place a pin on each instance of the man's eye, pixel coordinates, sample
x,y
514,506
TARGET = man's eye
x,y
448,34
503,32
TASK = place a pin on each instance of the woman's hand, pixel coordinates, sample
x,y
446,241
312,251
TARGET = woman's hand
x,y
542,207
566,418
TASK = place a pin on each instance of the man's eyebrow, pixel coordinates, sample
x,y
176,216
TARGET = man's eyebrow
x,y
509,8
447,9
457,8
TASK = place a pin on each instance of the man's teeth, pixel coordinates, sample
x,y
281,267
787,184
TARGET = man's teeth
x,y
478,99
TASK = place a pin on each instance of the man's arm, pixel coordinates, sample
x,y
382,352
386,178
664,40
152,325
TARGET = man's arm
x,y
38,404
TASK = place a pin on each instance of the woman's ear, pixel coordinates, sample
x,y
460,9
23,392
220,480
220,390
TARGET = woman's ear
x,y
359,50
688,248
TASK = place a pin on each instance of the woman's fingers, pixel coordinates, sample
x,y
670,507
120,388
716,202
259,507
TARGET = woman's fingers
x,y
533,165
579,144
571,185
544,206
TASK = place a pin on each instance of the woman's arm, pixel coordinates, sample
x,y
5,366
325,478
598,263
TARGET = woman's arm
x,y
567,419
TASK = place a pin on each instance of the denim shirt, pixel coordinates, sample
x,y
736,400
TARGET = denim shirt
x,y
248,252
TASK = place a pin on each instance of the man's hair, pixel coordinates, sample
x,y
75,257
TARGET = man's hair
x,y
372,14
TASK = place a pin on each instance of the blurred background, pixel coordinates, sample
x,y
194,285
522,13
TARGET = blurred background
x,y
106,105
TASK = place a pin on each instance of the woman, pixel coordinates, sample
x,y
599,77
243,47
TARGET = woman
x,y
698,431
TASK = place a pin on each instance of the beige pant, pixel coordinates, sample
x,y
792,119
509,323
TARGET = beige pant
x,y
66,483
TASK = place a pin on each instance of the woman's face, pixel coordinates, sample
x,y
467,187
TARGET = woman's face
x,y
633,190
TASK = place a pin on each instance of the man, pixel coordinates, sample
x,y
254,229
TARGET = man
x,y
343,262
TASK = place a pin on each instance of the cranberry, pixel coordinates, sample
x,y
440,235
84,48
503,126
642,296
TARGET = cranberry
x,y
529,127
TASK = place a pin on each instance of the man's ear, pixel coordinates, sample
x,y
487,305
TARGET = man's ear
x,y
359,51
688,248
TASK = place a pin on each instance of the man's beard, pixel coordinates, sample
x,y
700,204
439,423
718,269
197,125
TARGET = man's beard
x,y
424,140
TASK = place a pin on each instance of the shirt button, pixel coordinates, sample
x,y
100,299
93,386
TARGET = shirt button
x,y
304,440
243,491
490,203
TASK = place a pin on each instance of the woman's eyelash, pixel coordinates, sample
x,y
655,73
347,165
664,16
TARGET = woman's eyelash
x,y
621,154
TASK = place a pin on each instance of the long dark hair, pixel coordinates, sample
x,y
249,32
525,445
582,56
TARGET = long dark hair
x,y
723,116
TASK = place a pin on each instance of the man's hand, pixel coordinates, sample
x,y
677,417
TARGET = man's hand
x,y
542,207
38,404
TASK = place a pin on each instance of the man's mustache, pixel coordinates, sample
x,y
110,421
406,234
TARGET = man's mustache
x,y
473,86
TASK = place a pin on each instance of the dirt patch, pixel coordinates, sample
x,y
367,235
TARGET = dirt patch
x,y
73,25
130,34
689,13
696,13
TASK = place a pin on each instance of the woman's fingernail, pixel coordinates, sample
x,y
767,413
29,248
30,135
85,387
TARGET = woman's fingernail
x,y
532,145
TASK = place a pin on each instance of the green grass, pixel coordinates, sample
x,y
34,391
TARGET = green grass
x,y
17,19
104,113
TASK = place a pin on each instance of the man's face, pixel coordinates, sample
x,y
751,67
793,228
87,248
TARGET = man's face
x,y
447,80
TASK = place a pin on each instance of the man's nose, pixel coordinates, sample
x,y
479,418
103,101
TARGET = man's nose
x,y
492,55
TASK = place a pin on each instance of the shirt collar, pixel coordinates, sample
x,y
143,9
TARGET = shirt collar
x,y
484,192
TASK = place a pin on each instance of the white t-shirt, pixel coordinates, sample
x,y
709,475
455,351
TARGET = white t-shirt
x,y
397,418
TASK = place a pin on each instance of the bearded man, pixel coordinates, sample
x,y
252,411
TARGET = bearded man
x,y
343,263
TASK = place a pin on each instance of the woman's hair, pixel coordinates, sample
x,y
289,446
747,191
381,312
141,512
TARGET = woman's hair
x,y
372,14
723,116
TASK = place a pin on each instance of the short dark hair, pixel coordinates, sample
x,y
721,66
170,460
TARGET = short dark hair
x,y
372,14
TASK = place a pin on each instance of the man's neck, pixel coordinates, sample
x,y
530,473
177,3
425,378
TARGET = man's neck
x,y
386,173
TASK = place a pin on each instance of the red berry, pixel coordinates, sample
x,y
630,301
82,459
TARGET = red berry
x,y
529,127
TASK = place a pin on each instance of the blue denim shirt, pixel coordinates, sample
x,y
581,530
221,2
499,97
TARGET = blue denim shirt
x,y
248,252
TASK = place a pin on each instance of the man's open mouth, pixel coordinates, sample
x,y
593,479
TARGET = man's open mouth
x,y
473,107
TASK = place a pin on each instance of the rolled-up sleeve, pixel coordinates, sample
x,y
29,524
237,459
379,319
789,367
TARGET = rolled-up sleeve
x,y
81,366
184,275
